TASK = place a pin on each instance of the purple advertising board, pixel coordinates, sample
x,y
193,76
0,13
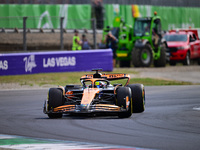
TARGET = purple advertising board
x,y
56,61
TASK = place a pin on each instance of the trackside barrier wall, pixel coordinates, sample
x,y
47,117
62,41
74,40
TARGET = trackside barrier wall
x,y
79,16
56,61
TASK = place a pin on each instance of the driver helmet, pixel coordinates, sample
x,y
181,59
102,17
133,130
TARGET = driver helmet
x,y
99,84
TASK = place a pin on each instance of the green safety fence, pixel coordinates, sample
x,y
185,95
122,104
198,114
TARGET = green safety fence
x,y
79,16
46,16
172,17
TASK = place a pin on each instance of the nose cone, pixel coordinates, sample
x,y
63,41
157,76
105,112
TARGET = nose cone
x,y
83,107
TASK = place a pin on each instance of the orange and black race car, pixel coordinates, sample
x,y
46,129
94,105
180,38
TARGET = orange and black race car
x,y
96,95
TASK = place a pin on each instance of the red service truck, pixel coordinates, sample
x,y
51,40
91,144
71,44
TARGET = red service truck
x,y
183,46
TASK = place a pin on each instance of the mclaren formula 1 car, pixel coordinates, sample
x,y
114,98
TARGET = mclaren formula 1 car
x,y
96,95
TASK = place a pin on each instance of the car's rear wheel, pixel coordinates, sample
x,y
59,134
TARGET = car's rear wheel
x,y
124,101
55,99
138,97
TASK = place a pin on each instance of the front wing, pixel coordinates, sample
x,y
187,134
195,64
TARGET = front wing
x,y
97,108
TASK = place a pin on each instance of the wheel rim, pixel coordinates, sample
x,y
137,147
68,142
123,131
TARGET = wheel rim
x,y
145,56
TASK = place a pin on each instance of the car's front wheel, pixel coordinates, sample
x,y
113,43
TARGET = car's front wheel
x,y
55,99
138,97
124,101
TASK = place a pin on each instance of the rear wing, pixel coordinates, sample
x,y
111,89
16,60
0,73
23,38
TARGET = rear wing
x,y
108,77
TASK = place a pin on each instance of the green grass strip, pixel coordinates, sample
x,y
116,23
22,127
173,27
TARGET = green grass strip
x,y
16,141
74,78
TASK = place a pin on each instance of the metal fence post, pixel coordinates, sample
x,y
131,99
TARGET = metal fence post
x,y
24,34
61,33
94,32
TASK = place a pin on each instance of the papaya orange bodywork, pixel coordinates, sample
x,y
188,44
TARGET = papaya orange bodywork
x,y
88,95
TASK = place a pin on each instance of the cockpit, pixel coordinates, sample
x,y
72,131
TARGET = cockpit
x,y
95,83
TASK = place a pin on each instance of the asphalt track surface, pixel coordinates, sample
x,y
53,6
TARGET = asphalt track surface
x,y
171,120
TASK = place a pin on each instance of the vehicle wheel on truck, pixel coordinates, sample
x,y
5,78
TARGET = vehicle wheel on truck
x,y
124,63
161,62
55,98
142,57
186,62
124,101
138,97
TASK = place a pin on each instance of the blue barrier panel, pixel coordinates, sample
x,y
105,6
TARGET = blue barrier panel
x,y
56,61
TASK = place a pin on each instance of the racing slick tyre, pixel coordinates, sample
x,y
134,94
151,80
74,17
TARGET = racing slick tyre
x,y
142,57
124,63
161,62
55,98
186,62
124,101
138,97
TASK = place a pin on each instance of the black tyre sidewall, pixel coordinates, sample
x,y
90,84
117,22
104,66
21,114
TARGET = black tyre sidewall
x,y
138,97
55,99
122,93
137,56
161,62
